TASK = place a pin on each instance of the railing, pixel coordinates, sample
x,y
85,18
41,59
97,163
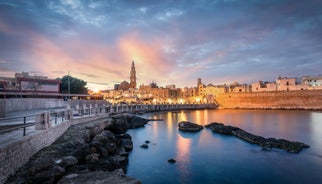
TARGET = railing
x,y
20,122
50,119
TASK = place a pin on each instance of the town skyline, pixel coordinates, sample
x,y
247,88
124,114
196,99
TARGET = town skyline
x,y
170,42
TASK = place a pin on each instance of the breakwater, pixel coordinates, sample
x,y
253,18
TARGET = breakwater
x,y
304,99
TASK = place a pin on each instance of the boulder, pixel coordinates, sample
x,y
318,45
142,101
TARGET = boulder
x,y
221,128
93,146
127,144
98,177
145,146
92,158
68,161
189,127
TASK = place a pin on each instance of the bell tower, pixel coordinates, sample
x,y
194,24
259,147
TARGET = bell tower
x,y
133,76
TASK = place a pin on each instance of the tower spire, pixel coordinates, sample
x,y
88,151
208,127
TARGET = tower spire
x,y
133,76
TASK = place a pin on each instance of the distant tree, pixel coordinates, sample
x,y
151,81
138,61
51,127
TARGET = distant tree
x,y
77,86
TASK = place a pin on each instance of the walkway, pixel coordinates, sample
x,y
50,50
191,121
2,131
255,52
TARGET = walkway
x,y
17,118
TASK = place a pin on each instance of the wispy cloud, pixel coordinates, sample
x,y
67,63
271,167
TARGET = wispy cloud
x,y
170,41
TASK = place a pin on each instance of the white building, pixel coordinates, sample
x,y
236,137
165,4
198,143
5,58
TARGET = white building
x,y
312,81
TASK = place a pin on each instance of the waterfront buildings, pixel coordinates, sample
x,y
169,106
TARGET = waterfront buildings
x,y
23,82
127,92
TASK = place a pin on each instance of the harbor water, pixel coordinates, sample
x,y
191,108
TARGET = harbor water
x,y
207,157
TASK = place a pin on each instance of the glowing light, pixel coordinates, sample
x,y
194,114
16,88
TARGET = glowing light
x,y
96,90
197,100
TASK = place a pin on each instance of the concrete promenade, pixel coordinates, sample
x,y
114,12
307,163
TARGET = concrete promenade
x,y
40,128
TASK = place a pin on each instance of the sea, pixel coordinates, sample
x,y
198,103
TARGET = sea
x,y
207,157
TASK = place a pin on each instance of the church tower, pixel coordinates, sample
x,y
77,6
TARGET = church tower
x,y
133,76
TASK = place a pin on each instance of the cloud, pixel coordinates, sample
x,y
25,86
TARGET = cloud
x,y
170,41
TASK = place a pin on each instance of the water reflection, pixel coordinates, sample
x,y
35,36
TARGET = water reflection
x,y
169,123
316,136
207,157
183,157
183,116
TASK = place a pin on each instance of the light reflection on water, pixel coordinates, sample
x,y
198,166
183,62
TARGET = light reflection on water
x,y
206,157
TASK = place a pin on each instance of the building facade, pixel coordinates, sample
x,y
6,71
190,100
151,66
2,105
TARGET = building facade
x,y
23,82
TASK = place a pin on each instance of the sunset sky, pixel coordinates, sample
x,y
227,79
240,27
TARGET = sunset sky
x,y
171,42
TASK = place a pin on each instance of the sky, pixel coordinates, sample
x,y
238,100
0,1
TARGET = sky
x,y
170,41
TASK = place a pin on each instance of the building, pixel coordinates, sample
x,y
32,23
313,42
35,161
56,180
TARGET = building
x,y
312,81
261,86
237,88
289,84
201,88
23,82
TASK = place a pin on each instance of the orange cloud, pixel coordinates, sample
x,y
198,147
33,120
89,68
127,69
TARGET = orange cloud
x,y
148,56
95,61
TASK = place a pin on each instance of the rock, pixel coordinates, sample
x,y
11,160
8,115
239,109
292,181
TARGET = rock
x,y
221,128
145,146
50,175
127,144
92,158
265,143
98,177
111,147
147,141
189,127
68,161
172,161
93,146
137,122
94,131
123,136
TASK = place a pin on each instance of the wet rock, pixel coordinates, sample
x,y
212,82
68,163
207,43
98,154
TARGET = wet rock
x,y
123,136
221,128
189,127
127,144
145,146
265,143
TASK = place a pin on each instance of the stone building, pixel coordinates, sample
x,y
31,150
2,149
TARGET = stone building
x,y
261,86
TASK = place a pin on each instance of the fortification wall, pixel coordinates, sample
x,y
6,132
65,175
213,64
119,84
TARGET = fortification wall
x,y
306,99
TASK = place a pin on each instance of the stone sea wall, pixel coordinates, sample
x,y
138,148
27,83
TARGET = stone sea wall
x,y
13,156
306,99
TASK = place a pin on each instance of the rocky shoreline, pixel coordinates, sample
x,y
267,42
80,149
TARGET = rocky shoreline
x,y
85,153
265,143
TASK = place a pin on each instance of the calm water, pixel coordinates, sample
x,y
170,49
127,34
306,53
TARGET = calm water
x,y
207,157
